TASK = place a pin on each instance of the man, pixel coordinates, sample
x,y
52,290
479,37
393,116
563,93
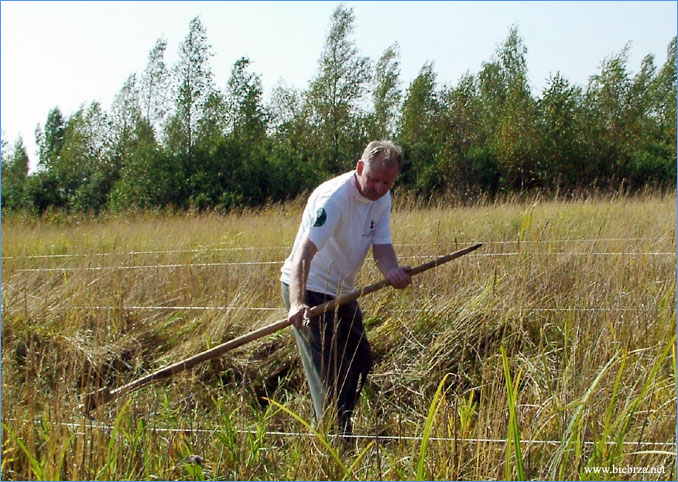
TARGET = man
x,y
343,218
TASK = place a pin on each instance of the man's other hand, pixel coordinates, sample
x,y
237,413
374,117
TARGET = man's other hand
x,y
298,316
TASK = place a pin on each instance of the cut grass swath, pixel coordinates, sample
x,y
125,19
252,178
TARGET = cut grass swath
x,y
105,394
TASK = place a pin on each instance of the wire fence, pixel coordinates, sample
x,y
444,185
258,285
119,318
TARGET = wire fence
x,y
207,249
669,447
280,262
283,310
89,424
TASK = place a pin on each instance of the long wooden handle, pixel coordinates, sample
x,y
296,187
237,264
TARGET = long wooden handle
x,y
104,395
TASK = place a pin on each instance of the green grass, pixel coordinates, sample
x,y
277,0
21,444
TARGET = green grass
x,y
513,436
548,351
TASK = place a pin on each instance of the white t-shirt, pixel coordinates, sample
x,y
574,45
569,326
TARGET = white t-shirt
x,y
343,225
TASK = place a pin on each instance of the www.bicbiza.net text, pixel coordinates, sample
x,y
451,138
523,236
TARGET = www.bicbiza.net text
x,y
625,470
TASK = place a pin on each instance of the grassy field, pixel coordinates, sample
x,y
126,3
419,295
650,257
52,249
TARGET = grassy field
x,y
546,354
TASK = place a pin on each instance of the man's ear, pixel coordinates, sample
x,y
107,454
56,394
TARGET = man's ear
x,y
359,168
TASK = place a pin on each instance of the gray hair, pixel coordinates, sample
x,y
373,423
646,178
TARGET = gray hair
x,y
387,152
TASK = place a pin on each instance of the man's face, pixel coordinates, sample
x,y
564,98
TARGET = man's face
x,y
374,180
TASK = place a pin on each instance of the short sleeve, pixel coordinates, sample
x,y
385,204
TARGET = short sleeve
x,y
323,222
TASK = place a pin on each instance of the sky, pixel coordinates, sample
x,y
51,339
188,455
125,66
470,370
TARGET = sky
x,y
68,54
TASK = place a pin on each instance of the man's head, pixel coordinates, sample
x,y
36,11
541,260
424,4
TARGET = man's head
x,y
378,169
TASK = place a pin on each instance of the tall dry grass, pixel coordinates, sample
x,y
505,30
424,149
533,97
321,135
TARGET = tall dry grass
x,y
549,351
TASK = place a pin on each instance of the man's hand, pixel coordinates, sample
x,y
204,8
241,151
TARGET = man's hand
x,y
301,265
399,277
386,260
298,315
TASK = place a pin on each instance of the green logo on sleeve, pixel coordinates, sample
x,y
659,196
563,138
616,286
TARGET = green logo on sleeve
x,y
319,218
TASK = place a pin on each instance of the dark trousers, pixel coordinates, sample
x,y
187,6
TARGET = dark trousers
x,y
336,357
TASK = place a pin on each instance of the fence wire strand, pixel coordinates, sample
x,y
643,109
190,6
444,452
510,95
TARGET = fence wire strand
x,y
280,262
207,249
87,423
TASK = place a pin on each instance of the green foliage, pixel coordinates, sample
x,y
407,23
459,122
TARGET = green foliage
x,y
417,131
561,134
173,138
193,86
386,95
246,114
149,179
51,139
335,93
14,177
153,92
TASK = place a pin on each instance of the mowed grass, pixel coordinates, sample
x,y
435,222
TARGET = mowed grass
x,y
548,352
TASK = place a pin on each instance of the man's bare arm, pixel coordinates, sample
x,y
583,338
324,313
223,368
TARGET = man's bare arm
x,y
387,262
301,266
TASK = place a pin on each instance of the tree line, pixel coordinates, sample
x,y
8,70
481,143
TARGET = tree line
x,y
173,138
